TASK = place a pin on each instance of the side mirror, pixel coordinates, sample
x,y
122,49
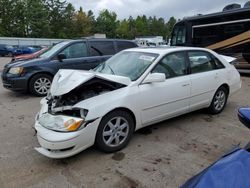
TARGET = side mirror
x,y
60,57
154,77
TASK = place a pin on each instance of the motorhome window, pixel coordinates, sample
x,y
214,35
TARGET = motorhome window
x,y
234,28
179,36
203,36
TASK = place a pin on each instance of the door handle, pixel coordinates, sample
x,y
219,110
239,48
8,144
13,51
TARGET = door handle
x,y
184,85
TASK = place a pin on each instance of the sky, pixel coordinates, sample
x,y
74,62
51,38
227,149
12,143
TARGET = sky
x,y
158,8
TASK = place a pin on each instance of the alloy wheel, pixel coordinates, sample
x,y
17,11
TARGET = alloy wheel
x,y
115,131
220,100
42,85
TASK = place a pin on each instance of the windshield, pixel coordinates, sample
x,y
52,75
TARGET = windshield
x,y
53,49
127,63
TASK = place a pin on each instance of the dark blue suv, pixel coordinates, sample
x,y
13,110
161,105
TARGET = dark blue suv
x,y
36,75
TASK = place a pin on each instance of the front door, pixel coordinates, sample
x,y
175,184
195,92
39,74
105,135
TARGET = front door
x,y
170,98
77,57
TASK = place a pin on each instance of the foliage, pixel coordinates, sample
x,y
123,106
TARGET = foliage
x,y
59,19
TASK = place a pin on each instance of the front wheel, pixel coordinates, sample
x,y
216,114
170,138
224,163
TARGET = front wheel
x,y
39,85
114,131
219,101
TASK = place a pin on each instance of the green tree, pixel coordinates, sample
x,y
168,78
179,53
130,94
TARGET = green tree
x,y
141,25
123,29
69,15
12,18
132,28
92,20
82,24
170,25
36,19
106,23
55,10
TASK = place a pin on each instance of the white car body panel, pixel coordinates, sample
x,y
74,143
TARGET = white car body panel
x,y
149,103
65,80
158,102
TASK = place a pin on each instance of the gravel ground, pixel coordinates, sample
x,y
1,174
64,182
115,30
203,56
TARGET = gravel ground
x,y
163,155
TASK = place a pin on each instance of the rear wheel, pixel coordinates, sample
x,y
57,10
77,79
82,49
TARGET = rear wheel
x,y
40,84
219,101
114,131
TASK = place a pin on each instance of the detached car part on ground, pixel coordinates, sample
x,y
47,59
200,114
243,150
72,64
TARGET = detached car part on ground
x,y
131,90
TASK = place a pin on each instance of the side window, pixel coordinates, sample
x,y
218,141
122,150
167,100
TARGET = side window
x,y
122,45
218,64
200,62
76,50
99,48
172,65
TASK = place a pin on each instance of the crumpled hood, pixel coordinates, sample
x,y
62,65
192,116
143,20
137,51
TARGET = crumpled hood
x,y
66,80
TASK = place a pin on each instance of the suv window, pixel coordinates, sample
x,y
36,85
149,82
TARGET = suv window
x,y
75,50
172,65
98,48
122,45
200,61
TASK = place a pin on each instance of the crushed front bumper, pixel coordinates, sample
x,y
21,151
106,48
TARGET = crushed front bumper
x,y
55,144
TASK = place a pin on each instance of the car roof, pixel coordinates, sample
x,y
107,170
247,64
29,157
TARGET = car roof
x,y
99,39
163,50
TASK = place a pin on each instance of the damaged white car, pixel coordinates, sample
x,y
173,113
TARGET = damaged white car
x,y
135,88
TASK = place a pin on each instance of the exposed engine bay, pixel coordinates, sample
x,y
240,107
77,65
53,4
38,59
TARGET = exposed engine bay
x,y
64,104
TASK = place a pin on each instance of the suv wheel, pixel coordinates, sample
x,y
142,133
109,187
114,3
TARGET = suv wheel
x,y
39,85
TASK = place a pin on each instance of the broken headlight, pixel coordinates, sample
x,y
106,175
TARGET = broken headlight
x,y
61,123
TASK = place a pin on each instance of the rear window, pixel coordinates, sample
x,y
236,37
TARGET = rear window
x,y
99,48
122,45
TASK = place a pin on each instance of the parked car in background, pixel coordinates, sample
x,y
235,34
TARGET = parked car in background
x,y
36,75
25,50
7,50
29,56
133,89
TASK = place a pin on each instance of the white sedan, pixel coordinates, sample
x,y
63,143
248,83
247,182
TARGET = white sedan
x,y
133,89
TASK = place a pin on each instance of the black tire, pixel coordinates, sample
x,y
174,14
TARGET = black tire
x,y
34,87
218,103
112,117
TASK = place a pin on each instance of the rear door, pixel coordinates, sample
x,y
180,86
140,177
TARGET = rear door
x,y
122,45
205,76
101,50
